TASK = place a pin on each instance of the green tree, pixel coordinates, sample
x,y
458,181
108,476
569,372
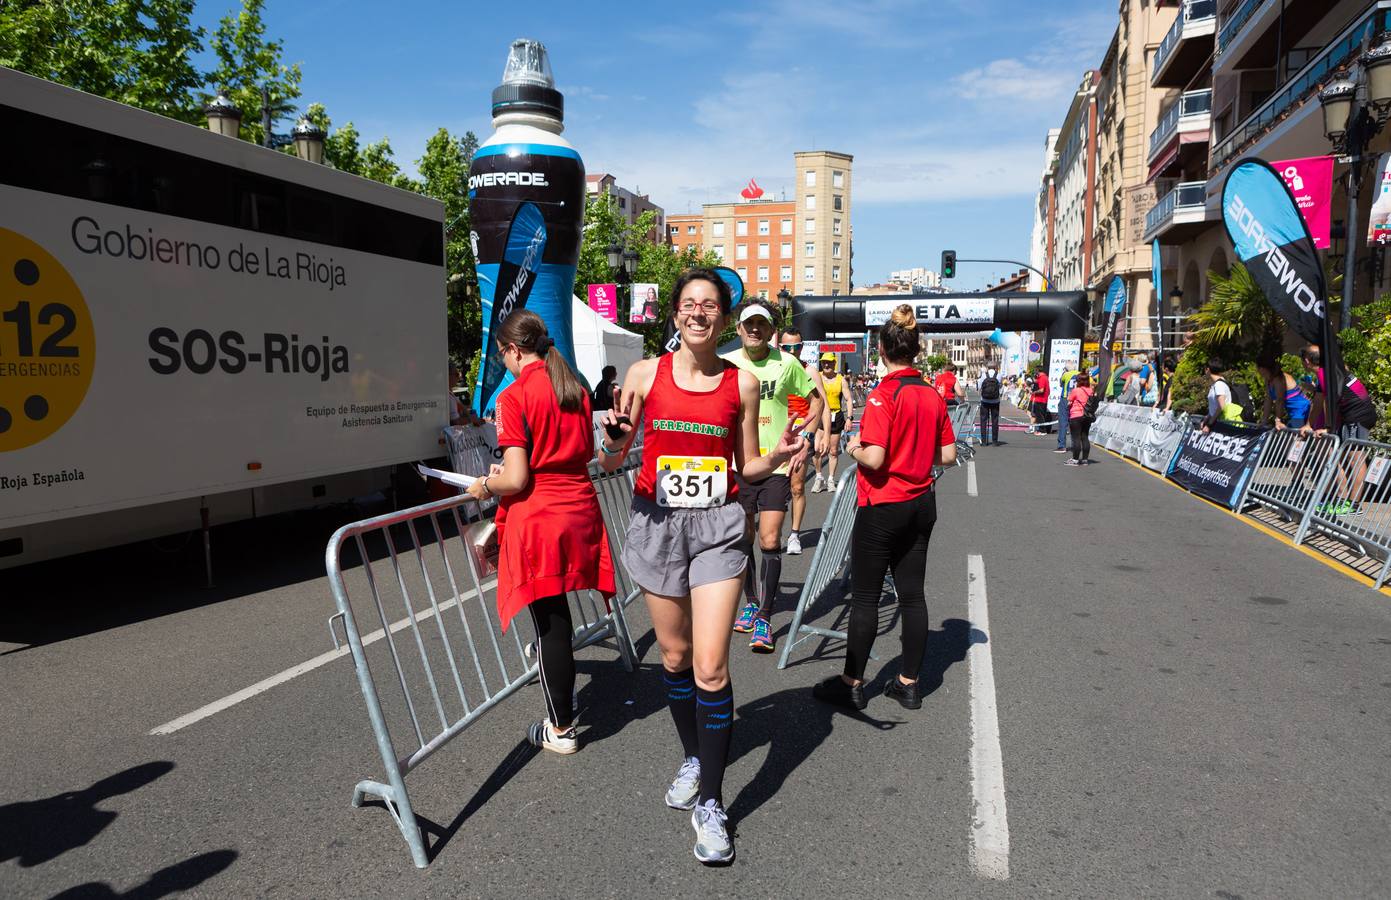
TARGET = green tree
x,y
444,169
1237,322
246,62
137,52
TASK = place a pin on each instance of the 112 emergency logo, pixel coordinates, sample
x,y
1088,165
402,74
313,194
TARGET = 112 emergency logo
x,y
47,346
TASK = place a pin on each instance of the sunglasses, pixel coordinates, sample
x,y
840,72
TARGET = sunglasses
x,y
791,348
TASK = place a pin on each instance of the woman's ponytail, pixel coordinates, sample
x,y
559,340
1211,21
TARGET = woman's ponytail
x,y
526,329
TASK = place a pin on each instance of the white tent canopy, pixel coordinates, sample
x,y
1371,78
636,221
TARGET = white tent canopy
x,y
599,343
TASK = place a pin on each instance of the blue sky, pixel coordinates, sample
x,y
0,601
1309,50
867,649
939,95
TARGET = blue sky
x,y
943,103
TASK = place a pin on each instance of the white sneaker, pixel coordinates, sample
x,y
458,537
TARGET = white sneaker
x,y
836,487
818,485
713,843
543,734
794,544
686,787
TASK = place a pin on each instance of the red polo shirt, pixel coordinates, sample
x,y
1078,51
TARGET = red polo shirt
x,y
906,417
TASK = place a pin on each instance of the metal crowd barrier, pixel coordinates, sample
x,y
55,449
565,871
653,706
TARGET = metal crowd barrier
x,y
965,422
420,562
827,563
1291,472
1353,503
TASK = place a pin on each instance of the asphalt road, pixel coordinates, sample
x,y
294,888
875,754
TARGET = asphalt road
x,y
1185,708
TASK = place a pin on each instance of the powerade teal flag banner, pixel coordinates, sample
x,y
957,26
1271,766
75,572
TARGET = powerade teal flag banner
x,y
671,338
511,287
1156,278
1112,330
1272,240
526,202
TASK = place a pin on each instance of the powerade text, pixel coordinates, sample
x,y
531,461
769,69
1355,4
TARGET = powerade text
x,y
1275,259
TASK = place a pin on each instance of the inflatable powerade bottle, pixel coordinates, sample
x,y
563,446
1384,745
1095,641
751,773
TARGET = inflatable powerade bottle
x,y
526,197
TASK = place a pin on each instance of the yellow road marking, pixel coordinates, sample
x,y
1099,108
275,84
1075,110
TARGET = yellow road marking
x,y
1265,529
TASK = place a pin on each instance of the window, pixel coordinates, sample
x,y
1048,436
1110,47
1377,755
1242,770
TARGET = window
x,y
743,273
785,274
690,229
835,273
809,226
763,226
835,250
718,250
763,295
837,179
622,203
786,226
809,249
835,292
762,273
836,201
762,251
835,226
741,251
675,229
808,272
811,201
811,178
675,248
717,229
741,228
786,248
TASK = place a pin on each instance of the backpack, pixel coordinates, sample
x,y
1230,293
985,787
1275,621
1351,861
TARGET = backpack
x,y
1091,406
1241,396
990,389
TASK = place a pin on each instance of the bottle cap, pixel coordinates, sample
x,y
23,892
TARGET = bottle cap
x,y
527,82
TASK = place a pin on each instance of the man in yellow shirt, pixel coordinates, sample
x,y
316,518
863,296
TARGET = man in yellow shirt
x,y
841,407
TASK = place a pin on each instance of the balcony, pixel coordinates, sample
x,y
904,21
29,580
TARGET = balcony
x,y
1187,45
1187,121
1235,23
1294,101
1179,214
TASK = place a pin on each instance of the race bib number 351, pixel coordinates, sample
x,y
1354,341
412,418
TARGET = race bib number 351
x,y
691,482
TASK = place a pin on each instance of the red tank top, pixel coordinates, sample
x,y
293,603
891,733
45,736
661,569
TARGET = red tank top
x,y
678,422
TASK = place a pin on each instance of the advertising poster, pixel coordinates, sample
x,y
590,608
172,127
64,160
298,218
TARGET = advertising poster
x,y
1216,464
1379,231
956,311
645,306
1066,353
1310,180
603,299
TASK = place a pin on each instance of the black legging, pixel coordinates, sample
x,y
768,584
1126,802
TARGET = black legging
x,y
554,632
890,534
1081,444
989,422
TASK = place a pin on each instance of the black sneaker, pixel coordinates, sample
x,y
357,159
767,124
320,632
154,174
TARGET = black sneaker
x,y
909,696
834,690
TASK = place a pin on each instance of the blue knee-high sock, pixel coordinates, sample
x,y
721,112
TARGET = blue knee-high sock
x,y
715,718
681,689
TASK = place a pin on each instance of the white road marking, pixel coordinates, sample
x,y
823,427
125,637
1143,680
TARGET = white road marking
x,y
989,822
970,478
308,665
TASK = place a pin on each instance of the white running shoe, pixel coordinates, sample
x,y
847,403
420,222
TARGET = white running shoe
x,y
713,843
794,544
686,787
836,487
543,734
818,485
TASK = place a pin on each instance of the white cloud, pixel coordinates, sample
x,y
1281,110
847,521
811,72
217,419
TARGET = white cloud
x,y
1011,79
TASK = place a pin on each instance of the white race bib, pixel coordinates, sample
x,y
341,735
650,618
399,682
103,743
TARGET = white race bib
x,y
691,482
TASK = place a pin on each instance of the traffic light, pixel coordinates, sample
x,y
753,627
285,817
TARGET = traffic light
x,y
948,263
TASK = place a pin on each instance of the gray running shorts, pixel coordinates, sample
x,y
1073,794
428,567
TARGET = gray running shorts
x,y
669,551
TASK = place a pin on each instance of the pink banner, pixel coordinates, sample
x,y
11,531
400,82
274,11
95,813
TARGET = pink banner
x,y
603,299
1311,182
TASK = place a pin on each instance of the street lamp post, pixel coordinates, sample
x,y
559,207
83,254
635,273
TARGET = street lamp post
x,y
1355,109
223,116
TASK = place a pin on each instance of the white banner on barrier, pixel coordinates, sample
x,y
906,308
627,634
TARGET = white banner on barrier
x,y
1146,435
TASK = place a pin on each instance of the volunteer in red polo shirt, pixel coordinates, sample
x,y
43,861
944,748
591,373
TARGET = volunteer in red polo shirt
x,y
551,536
903,433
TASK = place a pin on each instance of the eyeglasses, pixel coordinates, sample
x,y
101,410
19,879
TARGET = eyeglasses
x,y
709,307
791,348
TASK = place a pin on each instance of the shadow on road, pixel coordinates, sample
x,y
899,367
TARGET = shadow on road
x,y
511,764
173,879
792,724
34,832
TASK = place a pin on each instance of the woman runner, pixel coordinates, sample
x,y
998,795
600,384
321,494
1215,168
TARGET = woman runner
x,y
551,536
903,432
685,545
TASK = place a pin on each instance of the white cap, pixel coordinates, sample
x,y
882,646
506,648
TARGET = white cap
x,y
755,310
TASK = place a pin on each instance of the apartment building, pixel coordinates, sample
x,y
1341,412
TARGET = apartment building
x,y
1073,181
1248,74
630,204
800,244
1045,213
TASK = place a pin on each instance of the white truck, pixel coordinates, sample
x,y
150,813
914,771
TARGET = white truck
x,y
194,329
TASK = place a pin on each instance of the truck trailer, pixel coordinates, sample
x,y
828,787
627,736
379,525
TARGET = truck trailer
x,y
196,330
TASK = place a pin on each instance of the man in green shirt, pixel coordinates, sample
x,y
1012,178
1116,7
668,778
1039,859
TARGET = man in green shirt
x,y
780,376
